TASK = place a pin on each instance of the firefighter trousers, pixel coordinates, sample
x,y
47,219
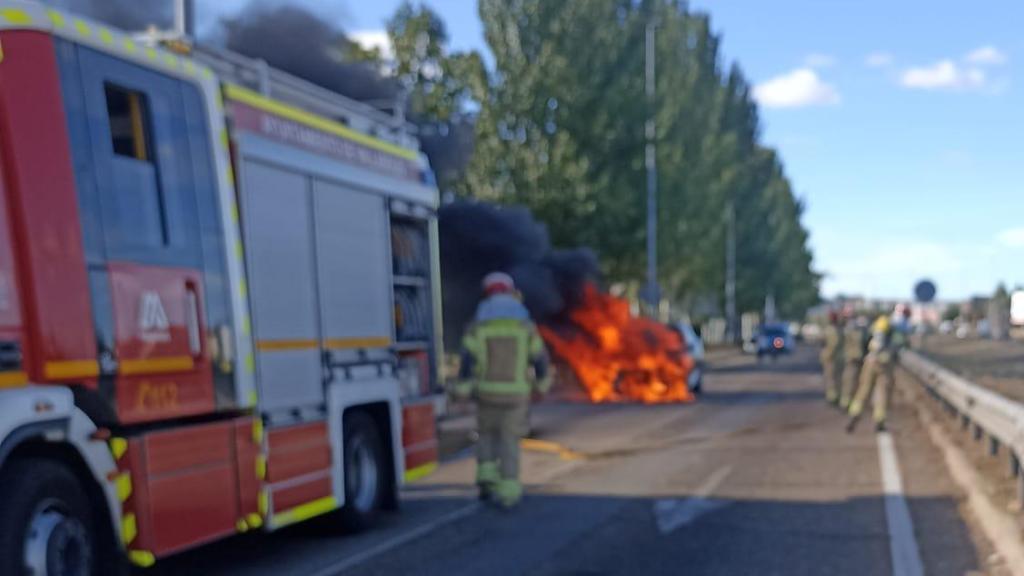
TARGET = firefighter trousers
x,y
851,378
876,381
832,369
497,452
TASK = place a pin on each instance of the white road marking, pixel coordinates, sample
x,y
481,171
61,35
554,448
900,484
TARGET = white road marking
x,y
404,538
671,514
906,557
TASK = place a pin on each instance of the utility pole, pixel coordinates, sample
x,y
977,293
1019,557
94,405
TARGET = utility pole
x,y
730,272
651,291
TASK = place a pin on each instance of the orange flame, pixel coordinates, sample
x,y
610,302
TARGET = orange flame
x,y
617,357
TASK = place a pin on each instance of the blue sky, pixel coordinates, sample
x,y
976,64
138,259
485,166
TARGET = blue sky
x,y
899,124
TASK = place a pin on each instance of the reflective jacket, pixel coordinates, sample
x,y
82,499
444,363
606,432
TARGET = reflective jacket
x,y
834,344
856,338
496,361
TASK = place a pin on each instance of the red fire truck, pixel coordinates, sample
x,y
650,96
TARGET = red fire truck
x,y
218,299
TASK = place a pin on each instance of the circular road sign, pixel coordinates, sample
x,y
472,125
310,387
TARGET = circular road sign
x,y
925,291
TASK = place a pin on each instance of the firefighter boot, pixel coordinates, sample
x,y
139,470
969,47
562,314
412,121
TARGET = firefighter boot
x,y
486,479
508,492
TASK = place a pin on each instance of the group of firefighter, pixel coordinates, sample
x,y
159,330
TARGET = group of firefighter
x,y
859,361
504,363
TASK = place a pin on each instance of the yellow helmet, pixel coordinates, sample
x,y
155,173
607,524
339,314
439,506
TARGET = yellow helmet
x,y
881,324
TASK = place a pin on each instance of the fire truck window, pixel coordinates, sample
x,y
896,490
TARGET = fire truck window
x,y
128,119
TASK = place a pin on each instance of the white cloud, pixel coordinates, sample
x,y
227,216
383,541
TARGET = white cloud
x,y
819,60
370,39
943,75
878,60
986,56
1012,238
796,89
968,73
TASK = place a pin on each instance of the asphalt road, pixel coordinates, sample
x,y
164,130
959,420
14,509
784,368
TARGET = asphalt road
x,y
758,477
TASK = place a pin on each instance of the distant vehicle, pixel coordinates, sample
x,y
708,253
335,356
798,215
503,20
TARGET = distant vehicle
x,y
774,340
695,348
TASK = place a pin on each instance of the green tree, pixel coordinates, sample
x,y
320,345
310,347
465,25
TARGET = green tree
x,y
439,84
561,131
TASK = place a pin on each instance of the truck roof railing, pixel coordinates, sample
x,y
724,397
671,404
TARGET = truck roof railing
x,y
259,76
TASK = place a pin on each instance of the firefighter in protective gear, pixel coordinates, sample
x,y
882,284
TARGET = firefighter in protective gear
x,y
832,357
856,338
887,339
500,350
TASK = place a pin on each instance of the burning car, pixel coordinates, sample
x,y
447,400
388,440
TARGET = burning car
x,y
617,357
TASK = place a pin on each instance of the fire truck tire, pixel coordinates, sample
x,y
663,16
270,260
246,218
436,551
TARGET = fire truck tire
x,y
365,469
47,527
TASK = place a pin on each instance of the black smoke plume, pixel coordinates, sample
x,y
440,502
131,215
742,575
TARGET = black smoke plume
x,y
477,238
297,41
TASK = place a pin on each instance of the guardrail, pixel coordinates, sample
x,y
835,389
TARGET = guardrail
x,y
980,411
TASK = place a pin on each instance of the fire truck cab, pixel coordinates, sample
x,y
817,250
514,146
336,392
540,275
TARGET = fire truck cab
x,y
219,299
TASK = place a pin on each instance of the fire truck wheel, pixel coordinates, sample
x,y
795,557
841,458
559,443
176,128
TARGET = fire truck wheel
x,y
44,530
364,471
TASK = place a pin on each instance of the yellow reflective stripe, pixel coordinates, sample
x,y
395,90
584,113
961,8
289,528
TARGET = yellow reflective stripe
x,y
123,485
71,369
253,397
129,46
250,365
254,521
241,525
348,343
190,68
16,16
106,37
56,18
118,446
243,287
82,28
305,511
418,472
151,53
257,431
246,325
136,366
141,558
507,388
13,379
263,502
246,96
171,60
261,467
272,345
129,528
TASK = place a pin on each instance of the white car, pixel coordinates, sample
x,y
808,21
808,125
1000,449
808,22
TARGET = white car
x,y
695,348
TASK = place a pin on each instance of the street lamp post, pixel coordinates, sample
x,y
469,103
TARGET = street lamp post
x,y
651,291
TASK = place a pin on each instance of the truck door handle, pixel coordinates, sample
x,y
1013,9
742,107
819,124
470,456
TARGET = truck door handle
x,y
195,341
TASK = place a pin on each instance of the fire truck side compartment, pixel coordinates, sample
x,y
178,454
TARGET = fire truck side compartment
x,y
278,225
190,484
